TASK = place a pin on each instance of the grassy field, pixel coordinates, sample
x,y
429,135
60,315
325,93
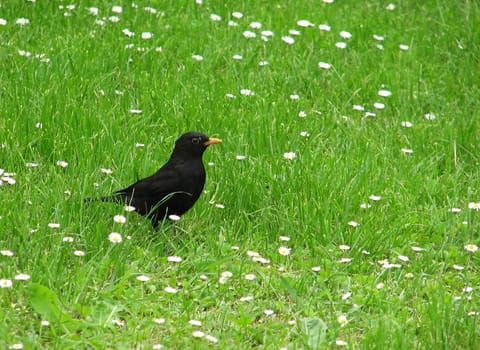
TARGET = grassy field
x,y
341,210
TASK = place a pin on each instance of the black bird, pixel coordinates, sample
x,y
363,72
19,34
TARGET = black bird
x,y
175,187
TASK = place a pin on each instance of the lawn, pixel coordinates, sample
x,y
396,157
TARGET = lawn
x,y
340,211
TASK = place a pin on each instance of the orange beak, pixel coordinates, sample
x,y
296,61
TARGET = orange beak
x,y
212,141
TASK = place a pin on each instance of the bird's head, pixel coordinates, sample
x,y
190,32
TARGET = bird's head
x,y
194,143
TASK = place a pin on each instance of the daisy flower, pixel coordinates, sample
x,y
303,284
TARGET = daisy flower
x,y
324,65
473,205
284,251
471,247
250,276
22,277
247,92
143,278
5,283
214,17
6,252
22,21
120,219
198,334
384,93
324,27
342,319
249,35
79,253
288,39
174,259
211,338
115,237
195,323
147,35
305,23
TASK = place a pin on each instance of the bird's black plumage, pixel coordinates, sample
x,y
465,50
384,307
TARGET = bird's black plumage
x,y
175,187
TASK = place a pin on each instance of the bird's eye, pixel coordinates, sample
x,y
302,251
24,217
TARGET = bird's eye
x,y
196,140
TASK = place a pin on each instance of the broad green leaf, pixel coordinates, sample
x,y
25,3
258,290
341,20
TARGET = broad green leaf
x,y
46,303
315,330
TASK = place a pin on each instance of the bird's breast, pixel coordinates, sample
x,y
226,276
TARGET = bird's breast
x,y
192,178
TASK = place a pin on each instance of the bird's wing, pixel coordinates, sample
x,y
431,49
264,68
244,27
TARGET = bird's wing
x,y
151,190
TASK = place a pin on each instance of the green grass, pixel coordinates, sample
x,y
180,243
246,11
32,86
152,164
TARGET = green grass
x,y
83,98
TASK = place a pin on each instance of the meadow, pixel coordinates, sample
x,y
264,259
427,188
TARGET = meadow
x,y
340,211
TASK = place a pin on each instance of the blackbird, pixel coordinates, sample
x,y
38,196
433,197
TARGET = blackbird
x,y
175,187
